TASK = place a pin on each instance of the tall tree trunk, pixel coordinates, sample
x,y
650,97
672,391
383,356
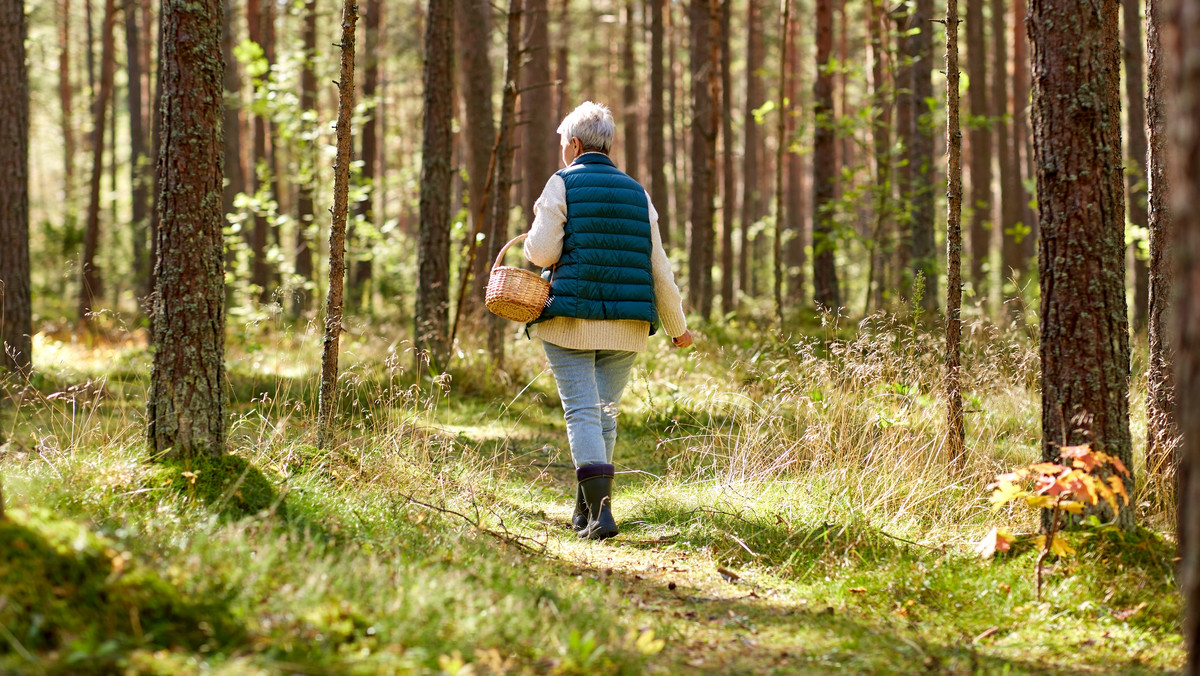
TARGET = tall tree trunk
x,y
906,111
359,273
235,175
337,230
924,257
630,100
980,146
729,188
752,197
185,409
1081,256
139,161
539,142
305,223
155,150
90,23
504,160
659,194
16,325
1162,430
1135,177
1008,158
260,271
881,142
704,136
678,157
955,433
1021,257
90,287
561,102
794,237
474,22
786,45
433,253
66,124
825,171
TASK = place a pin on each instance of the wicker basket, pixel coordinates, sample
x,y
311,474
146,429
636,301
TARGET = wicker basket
x,y
515,294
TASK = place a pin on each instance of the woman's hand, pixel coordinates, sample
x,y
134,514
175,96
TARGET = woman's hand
x,y
683,341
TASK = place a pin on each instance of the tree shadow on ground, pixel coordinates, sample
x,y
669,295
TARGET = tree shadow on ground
x,y
72,602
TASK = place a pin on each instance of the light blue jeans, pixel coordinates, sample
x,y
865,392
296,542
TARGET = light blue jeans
x,y
590,383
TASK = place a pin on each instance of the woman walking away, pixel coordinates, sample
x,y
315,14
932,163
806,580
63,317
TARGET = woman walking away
x,y
611,286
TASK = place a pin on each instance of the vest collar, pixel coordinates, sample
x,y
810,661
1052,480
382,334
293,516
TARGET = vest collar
x,y
593,157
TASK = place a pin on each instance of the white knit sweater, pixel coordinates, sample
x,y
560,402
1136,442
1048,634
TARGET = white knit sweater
x,y
544,246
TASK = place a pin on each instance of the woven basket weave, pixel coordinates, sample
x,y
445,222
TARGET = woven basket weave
x,y
515,294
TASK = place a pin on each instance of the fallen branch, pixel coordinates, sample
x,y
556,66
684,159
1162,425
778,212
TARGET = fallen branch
x,y
506,535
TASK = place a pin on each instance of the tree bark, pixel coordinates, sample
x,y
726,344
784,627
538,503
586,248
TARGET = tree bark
x,y
881,142
924,257
431,330
794,216
359,275
186,404
704,136
659,194
235,174
729,188
16,325
539,142
1135,176
825,171
302,296
90,287
1023,240
260,271
1162,429
906,111
1081,254
66,124
980,140
781,144
139,162
1008,160
955,432
479,131
337,230
630,100
752,197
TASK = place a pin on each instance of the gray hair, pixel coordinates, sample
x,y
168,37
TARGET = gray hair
x,y
592,123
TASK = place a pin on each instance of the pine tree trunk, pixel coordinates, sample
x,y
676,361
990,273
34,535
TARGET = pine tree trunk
x,y
955,433
980,140
1184,55
1081,271
794,216
186,404
16,326
431,331
66,124
1008,160
659,193
561,102
752,197
906,110
90,287
305,223
825,170
1135,176
677,156
1025,237
479,131
337,230
235,175
539,142
703,159
629,97
729,188
359,274
881,143
260,271
924,256
139,163
781,144
1162,429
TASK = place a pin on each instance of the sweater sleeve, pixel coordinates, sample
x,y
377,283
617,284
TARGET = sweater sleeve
x,y
667,299
544,244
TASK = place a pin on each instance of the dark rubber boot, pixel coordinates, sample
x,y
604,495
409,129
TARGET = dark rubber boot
x,y
579,520
596,482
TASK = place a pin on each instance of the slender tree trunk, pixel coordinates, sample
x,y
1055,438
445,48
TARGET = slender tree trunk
x,y
1024,237
1162,429
474,22
561,102
359,275
337,230
677,156
186,404
704,135
752,197
1009,164
91,288
433,253
1135,176
275,274
729,188
66,125
1181,26
794,216
139,163
1077,141
955,433
260,271
302,297
155,150
906,111
825,171
980,139
881,146
539,142
16,325
659,194
629,97
781,144
235,175
924,256
90,23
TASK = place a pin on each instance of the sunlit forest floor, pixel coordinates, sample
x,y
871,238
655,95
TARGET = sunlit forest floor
x,y
785,507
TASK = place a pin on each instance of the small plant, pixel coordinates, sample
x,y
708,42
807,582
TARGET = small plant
x,y
1092,476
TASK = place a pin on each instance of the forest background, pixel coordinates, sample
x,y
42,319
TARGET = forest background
x,y
796,498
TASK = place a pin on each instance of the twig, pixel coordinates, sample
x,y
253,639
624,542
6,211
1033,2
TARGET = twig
x,y
506,536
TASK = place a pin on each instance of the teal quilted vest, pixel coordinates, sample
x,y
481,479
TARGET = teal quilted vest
x,y
604,271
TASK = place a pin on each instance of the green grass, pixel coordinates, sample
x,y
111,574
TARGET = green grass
x,y
785,508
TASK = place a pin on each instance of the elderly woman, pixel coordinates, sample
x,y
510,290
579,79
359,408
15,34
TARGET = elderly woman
x,y
611,287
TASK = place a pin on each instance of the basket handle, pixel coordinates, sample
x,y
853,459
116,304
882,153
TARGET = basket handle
x,y
504,249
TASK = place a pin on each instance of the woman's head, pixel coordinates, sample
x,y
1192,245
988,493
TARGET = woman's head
x,y
589,128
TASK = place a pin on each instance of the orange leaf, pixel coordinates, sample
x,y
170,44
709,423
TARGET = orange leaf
x,y
995,541
1047,468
